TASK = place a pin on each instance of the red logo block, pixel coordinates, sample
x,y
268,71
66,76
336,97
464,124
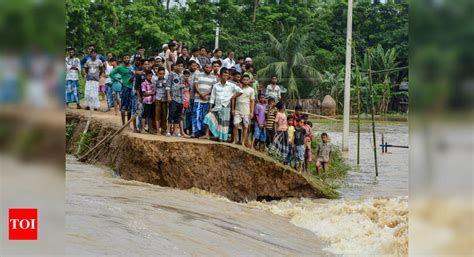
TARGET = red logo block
x,y
23,224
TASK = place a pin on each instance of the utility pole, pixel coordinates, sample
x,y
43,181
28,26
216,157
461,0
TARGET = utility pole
x,y
347,80
216,44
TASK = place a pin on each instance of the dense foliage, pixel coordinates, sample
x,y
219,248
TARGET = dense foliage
x,y
302,41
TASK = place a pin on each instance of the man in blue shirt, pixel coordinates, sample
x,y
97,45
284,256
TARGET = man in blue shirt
x,y
239,63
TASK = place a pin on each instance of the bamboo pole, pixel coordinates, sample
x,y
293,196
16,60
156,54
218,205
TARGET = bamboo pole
x,y
106,139
373,116
81,139
315,115
358,79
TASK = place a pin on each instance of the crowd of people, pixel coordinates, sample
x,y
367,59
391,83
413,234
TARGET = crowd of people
x,y
196,93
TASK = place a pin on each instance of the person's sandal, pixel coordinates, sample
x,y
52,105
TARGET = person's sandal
x,y
168,134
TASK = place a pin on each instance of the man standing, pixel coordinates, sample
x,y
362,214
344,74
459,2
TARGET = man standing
x,y
188,122
249,72
174,90
194,57
88,56
108,81
248,60
203,83
244,105
240,62
170,56
216,66
140,52
273,90
203,60
184,57
139,77
229,62
161,101
217,119
93,68
217,56
165,49
126,107
73,67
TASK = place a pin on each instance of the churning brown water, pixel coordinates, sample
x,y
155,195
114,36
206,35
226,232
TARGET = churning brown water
x,y
108,215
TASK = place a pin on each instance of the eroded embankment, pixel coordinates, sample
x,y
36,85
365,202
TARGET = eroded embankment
x,y
228,170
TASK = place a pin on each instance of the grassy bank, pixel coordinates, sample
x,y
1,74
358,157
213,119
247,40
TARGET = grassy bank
x,y
337,170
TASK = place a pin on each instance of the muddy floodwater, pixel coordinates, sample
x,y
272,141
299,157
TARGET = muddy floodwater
x,y
392,166
107,215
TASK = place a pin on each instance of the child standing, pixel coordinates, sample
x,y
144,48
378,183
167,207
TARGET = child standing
x,y
280,143
116,81
308,126
323,153
259,134
291,137
148,93
103,78
161,101
298,110
270,113
186,99
298,140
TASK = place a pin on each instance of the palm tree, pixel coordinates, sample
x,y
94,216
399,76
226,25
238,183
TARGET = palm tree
x,y
384,60
285,59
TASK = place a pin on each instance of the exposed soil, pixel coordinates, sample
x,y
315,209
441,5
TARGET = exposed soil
x,y
229,170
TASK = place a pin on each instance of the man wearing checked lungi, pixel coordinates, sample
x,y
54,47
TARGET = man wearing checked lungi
x,y
218,118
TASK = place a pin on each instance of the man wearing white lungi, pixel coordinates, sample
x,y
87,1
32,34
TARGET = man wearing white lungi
x,y
93,67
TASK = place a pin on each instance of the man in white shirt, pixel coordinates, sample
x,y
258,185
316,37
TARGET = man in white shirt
x,y
273,90
217,56
244,105
218,119
229,62
73,67
194,57
165,48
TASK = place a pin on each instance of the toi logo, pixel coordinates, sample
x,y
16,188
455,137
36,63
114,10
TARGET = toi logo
x,y
23,224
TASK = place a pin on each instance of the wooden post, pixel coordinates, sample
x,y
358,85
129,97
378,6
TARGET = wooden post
x,y
373,115
383,143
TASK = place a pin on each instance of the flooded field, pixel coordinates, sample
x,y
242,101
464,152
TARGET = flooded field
x,y
392,166
108,215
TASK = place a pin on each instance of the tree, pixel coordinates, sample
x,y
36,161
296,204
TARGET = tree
x,y
285,59
331,84
385,60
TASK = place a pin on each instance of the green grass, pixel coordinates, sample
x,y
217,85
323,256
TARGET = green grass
x,y
86,140
70,127
337,170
